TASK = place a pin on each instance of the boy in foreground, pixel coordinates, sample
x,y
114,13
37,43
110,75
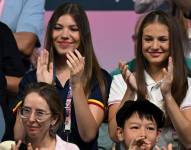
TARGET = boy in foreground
x,y
139,123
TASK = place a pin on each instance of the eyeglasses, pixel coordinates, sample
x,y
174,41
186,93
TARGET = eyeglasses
x,y
40,115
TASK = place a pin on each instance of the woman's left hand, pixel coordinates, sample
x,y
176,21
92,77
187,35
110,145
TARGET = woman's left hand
x,y
76,63
166,83
44,71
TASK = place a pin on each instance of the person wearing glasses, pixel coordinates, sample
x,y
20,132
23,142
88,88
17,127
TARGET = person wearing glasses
x,y
39,117
70,64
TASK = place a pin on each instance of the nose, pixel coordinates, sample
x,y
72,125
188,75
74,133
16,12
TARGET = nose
x,y
65,33
155,44
32,117
143,132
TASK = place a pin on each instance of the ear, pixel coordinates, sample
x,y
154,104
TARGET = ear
x,y
120,134
54,120
158,134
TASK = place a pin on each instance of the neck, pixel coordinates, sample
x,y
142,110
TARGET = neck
x,y
155,72
62,73
44,142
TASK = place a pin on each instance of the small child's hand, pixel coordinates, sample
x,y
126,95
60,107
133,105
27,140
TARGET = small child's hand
x,y
140,143
163,148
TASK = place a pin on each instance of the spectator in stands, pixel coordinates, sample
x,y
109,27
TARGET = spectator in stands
x,y
142,6
181,9
139,123
156,78
11,65
25,18
39,117
71,65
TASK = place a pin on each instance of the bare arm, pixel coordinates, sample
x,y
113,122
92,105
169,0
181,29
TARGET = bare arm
x,y
180,119
30,25
130,80
26,42
88,117
13,83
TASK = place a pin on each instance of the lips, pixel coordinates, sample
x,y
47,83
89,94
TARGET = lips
x,y
64,44
32,128
155,54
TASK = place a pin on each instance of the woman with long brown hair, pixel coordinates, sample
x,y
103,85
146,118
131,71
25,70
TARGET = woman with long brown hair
x,y
69,62
160,76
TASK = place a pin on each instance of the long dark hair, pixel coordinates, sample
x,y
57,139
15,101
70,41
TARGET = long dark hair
x,y
86,49
176,48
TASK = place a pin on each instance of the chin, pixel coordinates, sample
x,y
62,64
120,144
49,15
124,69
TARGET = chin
x,y
156,61
32,135
65,50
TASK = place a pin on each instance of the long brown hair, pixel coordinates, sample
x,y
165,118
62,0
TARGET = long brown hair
x,y
176,48
92,67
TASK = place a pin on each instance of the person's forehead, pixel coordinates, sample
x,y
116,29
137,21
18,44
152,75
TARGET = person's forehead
x,y
35,101
135,118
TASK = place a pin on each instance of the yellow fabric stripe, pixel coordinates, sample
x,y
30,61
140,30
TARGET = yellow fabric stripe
x,y
96,102
17,106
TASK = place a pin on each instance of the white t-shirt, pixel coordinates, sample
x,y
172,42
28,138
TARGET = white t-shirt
x,y
62,145
118,88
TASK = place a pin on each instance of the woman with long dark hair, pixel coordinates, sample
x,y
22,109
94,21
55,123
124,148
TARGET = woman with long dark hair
x,y
160,75
69,62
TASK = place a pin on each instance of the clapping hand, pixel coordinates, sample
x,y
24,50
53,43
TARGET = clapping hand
x,y
44,68
76,63
17,146
128,76
166,83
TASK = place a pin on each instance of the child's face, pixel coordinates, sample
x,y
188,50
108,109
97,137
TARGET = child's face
x,y
138,133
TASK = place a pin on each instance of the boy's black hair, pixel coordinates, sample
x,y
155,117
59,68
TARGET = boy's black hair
x,y
143,108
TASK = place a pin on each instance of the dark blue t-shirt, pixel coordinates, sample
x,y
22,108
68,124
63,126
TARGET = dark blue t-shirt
x,y
94,98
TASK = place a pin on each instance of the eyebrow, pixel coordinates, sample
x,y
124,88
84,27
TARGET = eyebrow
x,y
40,110
134,123
147,35
150,123
69,25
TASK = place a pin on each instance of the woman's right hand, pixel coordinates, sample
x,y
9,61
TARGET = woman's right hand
x,y
44,69
17,146
128,76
